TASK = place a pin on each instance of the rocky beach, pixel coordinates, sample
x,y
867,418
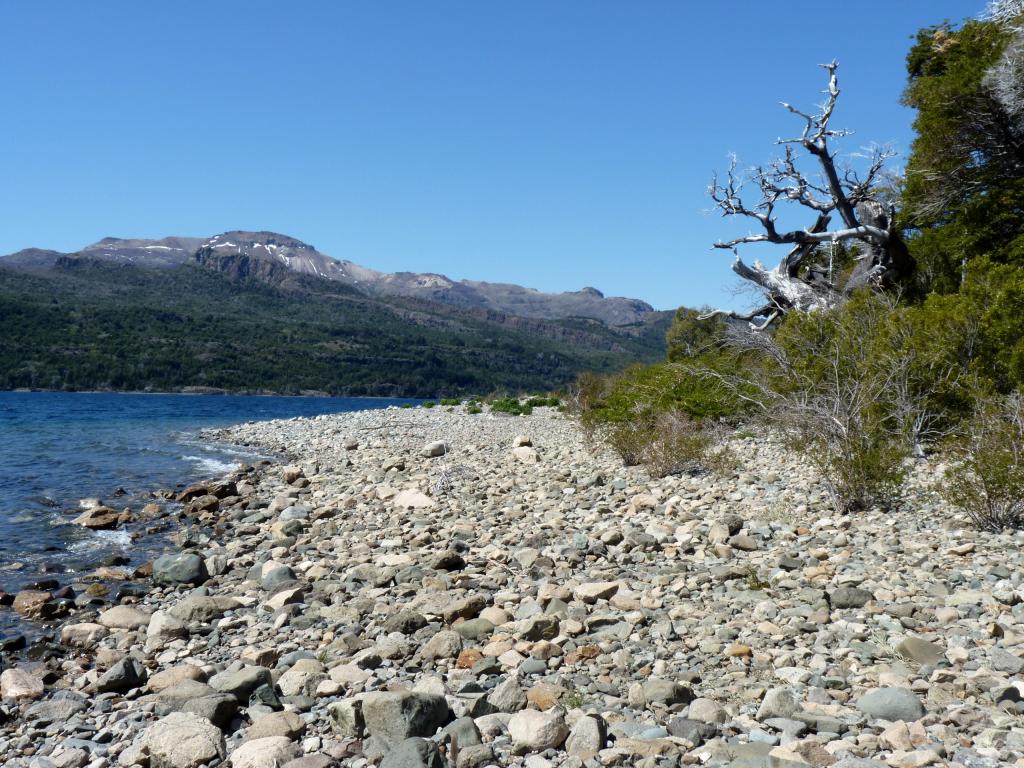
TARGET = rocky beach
x,y
430,587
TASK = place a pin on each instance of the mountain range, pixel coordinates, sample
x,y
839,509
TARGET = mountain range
x,y
265,254
265,312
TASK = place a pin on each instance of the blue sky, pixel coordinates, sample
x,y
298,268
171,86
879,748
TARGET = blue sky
x,y
551,144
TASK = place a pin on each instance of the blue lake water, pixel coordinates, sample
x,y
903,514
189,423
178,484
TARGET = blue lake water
x,y
57,448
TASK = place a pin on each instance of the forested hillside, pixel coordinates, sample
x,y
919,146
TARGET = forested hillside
x,y
88,324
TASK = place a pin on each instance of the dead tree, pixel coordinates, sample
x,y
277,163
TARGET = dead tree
x,y
863,215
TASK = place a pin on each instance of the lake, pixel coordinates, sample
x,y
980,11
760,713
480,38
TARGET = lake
x,y
57,448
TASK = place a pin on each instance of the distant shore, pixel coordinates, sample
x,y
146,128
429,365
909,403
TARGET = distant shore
x,y
207,391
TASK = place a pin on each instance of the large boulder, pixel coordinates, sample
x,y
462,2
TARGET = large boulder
x,y
122,677
269,752
414,753
163,628
30,602
891,704
124,617
181,740
20,684
180,568
98,518
203,608
84,635
393,717
535,731
199,699
242,682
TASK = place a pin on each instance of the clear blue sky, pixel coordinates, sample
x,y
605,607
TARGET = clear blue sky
x,y
552,144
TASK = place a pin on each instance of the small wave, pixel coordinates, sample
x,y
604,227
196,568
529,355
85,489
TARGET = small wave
x,y
212,465
102,540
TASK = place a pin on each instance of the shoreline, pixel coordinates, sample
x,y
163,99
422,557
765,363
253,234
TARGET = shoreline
x,y
213,392
515,584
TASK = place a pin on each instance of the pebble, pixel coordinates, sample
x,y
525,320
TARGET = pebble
x,y
386,601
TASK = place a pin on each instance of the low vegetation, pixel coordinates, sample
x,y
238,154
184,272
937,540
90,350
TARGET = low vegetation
x,y
899,334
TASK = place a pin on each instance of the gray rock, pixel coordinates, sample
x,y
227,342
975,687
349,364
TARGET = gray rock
x,y
541,628
268,752
666,692
462,732
202,608
122,677
533,731
241,683
312,761
61,706
181,568
413,753
778,702
277,577
200,699
347,718
444,645
587,737
392,717
508,696
474,629
693,731
406,622
475,756
1004,661
850,597
920,650
891,704
434,449
182,740
707,711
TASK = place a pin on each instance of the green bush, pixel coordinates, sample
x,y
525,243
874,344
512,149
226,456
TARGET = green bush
x,y
473,409
543,402
511,406
664,416
988,484
861,387
428,404
451,401
670,443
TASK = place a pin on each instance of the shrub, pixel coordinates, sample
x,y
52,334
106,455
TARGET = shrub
x,y
511,406
989,483
662,416
833,400
473,409
450,401
543,402
860,387
668,443
428,404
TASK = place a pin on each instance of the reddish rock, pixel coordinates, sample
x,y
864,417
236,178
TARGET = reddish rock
x,y
30,602
98,518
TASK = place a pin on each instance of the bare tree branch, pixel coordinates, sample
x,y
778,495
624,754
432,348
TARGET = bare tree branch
x,y
866,221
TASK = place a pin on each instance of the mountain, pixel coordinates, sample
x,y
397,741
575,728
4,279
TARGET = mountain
x,y
270,257
262,312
